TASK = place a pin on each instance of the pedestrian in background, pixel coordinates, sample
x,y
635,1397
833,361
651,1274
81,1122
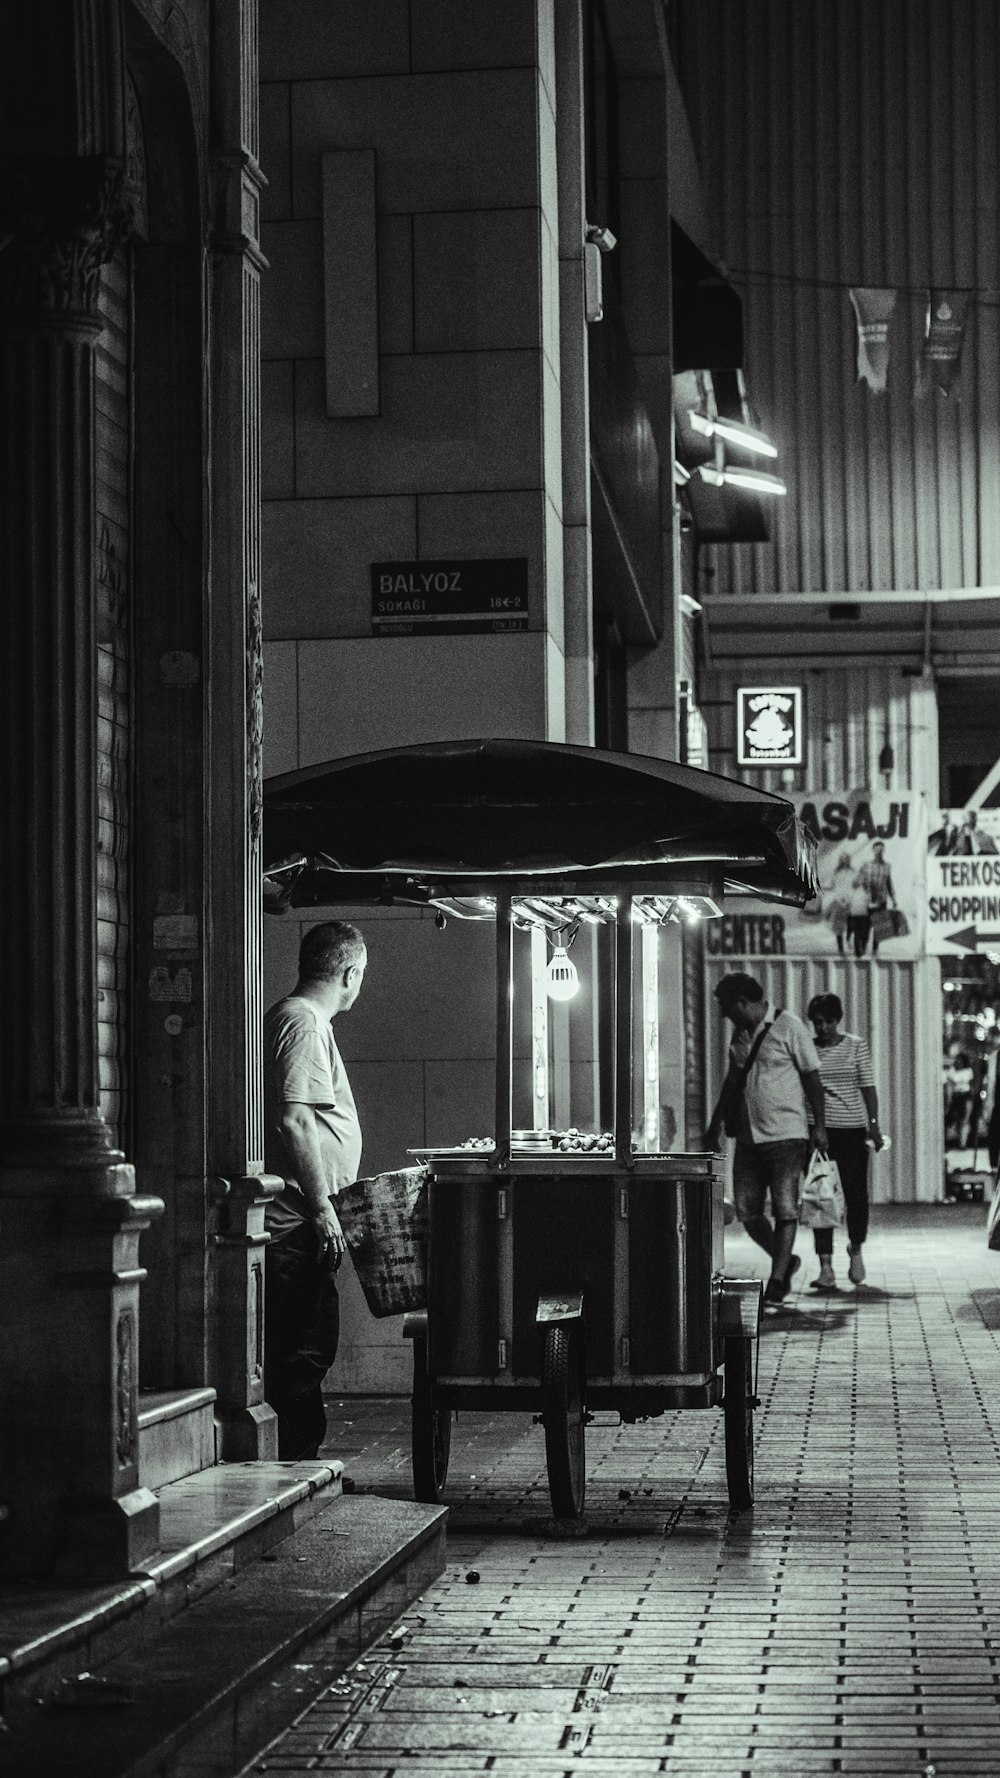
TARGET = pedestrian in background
x,y
845,1067
773,1074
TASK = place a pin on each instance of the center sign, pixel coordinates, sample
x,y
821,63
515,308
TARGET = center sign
x,y
769,725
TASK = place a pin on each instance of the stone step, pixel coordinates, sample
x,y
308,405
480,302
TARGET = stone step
x,y
237,1665
212,1525
176,1435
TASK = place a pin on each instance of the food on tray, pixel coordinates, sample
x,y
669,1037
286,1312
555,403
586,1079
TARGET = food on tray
x,y
572,1141
583,1142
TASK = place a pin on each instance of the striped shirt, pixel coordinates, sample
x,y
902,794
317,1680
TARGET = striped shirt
x,y
844,1068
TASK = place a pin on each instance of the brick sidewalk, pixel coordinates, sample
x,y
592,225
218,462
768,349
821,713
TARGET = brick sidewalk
x,y
850,1623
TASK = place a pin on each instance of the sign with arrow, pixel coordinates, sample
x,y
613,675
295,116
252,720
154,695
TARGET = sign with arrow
x,y
963,882
972,939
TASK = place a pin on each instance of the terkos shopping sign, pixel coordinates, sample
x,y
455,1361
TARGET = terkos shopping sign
x,y
769,726
963,883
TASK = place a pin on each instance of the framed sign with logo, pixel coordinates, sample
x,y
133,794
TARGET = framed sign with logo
x,y
769,725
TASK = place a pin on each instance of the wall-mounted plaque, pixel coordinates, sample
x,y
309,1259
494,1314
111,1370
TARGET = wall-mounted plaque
x,y
769,726
449,598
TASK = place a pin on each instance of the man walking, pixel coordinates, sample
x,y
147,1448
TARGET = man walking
x,y
875,878
312,1138
773,1074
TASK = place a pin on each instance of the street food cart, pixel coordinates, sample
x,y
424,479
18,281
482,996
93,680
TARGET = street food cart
x,y
566,1271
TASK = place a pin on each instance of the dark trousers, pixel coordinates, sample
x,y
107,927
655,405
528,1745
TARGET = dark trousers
x,y
993,1134
849,1148
301,1333
859,928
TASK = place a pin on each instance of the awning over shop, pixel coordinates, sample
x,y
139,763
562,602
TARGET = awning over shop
x,y
949,631
446,817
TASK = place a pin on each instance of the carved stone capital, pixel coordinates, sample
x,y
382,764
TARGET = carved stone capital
x,y
61,220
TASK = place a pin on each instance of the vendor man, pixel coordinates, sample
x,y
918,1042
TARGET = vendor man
x,y
312,1138
773,1075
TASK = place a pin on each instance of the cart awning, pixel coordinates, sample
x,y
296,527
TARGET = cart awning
x,y
453,817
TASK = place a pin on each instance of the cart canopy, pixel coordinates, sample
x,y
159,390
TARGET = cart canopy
x,y
462,817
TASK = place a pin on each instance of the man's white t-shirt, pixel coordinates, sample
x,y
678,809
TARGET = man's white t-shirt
x,y
773,1107
302,1065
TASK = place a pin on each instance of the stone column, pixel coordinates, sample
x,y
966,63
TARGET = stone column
x,y
236,1129
69,1219
249,1426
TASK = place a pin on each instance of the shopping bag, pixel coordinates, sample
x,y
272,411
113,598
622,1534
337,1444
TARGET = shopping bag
x,y
993,1219
883,924
822,1205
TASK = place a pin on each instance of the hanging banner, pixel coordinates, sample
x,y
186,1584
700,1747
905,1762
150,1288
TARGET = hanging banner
x,y
873,311
872,900
944,331
963,882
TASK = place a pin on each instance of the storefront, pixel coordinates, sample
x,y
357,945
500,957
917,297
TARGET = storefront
x,y
864,937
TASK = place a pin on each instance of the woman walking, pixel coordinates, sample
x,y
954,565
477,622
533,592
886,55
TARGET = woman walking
x,y
845,1069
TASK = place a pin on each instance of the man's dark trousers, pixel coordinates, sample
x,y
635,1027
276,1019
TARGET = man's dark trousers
x,y
301,1334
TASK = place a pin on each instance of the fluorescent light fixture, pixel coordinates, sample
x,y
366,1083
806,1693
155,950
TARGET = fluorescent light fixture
x,y
689,606
714,477
689,907
747,437
758,480
681,475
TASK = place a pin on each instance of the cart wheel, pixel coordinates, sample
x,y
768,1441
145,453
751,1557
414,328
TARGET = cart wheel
x,y
562,1412
430,1432
737,1408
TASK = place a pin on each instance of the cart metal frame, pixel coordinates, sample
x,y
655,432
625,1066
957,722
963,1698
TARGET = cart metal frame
x,y
564,1284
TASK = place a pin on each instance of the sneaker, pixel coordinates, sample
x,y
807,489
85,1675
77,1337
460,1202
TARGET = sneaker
x,y
827,1278
856,1269
777,1289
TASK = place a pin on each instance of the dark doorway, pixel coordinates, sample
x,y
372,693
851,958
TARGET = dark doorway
x,y
610,687
969,736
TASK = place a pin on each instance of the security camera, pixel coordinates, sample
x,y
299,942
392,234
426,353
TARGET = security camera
x,y
601,237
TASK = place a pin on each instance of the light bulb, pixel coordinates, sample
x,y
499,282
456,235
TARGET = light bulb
x,y
561,978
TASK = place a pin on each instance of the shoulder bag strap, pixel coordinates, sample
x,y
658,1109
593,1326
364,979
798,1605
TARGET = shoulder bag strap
x,y
736,1093
758,1040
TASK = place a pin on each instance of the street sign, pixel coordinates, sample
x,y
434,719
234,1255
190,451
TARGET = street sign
x,y
439,598
963,882
971,939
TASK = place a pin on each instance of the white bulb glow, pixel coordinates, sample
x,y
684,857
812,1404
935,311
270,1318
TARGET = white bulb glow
x,y
561,978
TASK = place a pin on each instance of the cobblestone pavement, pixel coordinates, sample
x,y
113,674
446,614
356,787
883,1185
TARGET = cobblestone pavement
x,y
850,1623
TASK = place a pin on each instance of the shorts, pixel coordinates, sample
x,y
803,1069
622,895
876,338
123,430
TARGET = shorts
x,y
762,1167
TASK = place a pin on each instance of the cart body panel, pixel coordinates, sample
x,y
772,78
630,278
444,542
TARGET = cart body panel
x,y
640,1247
